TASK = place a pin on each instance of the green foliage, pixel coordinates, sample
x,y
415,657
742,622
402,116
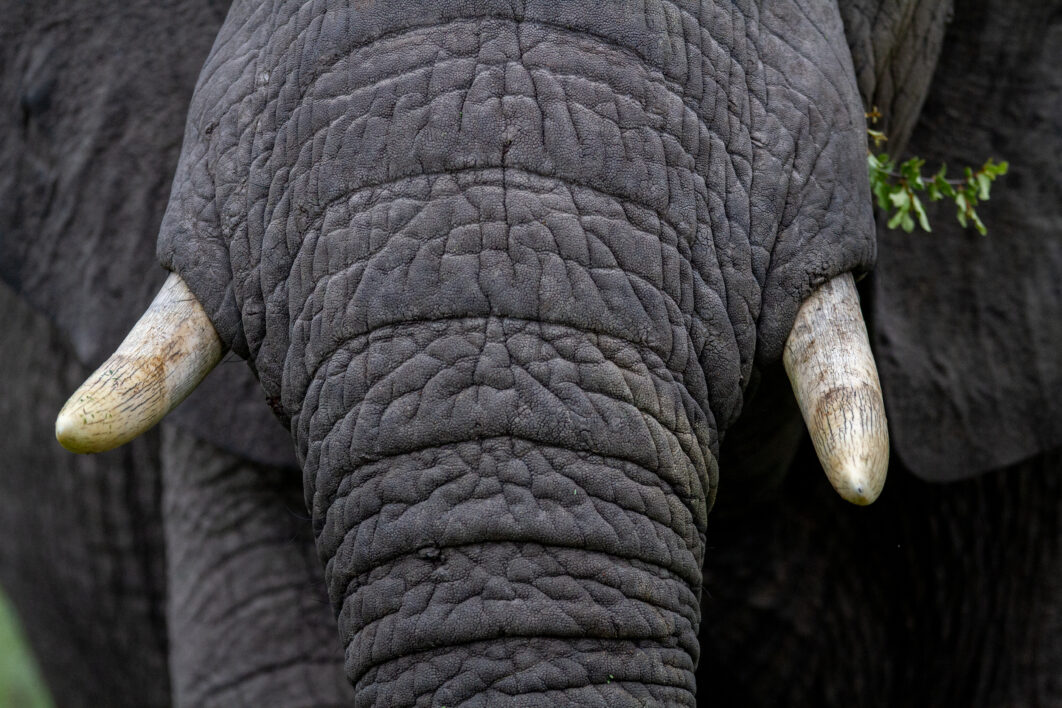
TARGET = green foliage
x,y
895,188
20,682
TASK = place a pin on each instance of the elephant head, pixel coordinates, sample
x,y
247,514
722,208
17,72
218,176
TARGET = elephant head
x,y
506,272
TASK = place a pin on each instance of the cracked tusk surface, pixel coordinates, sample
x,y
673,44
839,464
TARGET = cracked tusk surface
x,y
160,362
828,359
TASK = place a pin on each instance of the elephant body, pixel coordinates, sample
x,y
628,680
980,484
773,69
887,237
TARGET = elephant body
x,y
516,277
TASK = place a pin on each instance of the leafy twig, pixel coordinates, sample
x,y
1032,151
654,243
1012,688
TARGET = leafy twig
x,y
895,187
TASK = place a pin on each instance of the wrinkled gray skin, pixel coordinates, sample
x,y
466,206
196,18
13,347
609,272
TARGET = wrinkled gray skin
x,y
509,272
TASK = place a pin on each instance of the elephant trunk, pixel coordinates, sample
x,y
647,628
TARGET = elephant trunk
x,y
493,376
507,508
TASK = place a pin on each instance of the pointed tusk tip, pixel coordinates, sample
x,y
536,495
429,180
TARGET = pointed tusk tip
x,y
76,436
859,497
70,434
64,433
861,486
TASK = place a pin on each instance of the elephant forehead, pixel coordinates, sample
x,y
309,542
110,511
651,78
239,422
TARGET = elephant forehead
x,y
511,245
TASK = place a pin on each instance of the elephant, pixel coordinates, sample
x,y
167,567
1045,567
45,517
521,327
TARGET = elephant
x,y
513,283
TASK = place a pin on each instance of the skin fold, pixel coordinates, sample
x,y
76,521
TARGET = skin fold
x,y
516,278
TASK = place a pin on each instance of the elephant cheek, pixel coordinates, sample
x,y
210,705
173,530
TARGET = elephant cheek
x,y
507,507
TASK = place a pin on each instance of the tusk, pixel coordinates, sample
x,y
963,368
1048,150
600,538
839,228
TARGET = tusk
x,y
164,357
831,368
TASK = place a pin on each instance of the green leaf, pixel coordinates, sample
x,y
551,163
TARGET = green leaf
x,y
978,224
984,183
897,218
964,206
962,203
908,223
944,188
920,212
912,172
901,198
994,169
882,191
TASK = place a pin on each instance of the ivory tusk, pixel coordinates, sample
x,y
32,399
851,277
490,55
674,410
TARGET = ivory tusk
x,y
163,358
828,359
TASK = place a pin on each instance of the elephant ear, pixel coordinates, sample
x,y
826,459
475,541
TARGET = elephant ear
x,y
92,113
968,328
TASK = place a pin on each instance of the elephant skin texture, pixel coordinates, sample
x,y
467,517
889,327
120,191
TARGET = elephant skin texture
x,y
516,278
